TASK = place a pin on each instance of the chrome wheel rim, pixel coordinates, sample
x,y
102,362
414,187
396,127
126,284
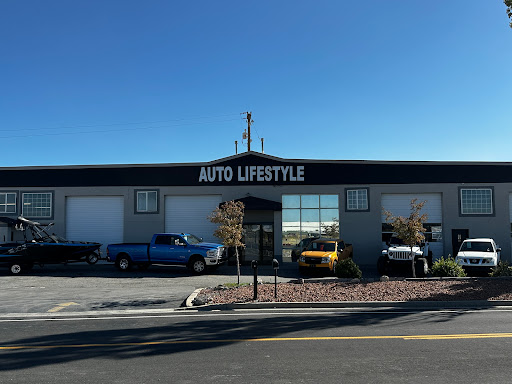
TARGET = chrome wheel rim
x,y
198,266
123,264
15,268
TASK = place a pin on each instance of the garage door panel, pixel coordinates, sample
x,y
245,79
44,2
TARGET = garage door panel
x,y
400,205
95,218
189,214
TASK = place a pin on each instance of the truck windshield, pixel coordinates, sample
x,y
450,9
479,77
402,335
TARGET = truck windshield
x,y
478,246
191,239
322,247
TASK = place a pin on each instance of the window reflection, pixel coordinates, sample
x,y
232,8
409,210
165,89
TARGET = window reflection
x,y
305,216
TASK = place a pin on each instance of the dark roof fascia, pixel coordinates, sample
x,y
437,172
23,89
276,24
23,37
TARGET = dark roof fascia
x,y
316,172
255,154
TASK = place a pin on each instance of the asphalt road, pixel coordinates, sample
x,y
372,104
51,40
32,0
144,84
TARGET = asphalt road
x,y
271,346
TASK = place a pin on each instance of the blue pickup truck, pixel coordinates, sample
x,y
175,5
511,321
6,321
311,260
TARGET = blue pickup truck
x,y
168,249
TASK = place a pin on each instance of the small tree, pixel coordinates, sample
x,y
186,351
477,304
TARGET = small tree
x,y
230,217
332,230
409,229
508,3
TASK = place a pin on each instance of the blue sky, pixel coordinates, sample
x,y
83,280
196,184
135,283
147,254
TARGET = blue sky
x,y
121,81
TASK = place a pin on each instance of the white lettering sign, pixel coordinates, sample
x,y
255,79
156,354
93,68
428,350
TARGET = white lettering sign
x,y
257,173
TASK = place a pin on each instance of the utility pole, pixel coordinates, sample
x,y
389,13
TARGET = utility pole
x,y
249,121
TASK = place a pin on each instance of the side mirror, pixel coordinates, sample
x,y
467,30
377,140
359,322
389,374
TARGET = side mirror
x,y
498,249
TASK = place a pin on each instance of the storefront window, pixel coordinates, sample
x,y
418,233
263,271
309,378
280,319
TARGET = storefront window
x,y
307,216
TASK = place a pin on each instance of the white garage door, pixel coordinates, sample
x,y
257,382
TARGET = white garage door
x,y
400,205
95,218
188,214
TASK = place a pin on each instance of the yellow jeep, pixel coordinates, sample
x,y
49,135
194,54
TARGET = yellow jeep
x,y
324,254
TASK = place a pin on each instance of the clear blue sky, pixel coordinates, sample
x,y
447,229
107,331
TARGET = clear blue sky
x,y
122,81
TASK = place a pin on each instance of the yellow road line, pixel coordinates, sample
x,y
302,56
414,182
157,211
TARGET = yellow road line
x,y
61,306
223,341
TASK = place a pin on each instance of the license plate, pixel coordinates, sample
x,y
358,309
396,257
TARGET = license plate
x,y
312,265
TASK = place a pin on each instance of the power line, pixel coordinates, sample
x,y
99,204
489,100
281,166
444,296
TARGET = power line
x,y
128,123
115,130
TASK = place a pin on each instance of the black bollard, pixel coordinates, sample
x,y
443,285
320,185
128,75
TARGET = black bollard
x,y
275,264
254,265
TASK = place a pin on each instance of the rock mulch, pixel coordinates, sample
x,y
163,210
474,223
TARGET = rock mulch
x,y
405,290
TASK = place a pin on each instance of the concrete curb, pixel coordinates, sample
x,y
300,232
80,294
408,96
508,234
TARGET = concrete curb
x,y
469,304
57,315
189,302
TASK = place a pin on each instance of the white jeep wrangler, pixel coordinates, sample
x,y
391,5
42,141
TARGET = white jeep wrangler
x,y
398,254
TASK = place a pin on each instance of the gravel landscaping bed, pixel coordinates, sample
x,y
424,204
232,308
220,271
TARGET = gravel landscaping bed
x,y
411,290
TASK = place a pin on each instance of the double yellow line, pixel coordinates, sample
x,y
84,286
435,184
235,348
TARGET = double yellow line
x,y
223,341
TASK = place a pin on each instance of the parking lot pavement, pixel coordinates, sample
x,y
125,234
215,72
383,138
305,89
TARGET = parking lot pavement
x,y
101,287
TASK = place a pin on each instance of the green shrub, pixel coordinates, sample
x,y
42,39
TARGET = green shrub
x,y
502,269
447,268
348,269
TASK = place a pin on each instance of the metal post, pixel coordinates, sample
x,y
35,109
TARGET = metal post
x,y
254,265
275,264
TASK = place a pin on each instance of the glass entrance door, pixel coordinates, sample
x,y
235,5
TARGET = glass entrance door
x,y
259,243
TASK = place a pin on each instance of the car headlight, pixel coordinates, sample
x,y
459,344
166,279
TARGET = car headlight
x,y
302,259
325,260
212,253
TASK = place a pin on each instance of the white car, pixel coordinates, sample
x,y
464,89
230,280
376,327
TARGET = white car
x,y
478,253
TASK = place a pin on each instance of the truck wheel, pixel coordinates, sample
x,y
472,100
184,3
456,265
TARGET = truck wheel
x,y
334,264
198,265
123,262
382,265
15,269
421,267
92,258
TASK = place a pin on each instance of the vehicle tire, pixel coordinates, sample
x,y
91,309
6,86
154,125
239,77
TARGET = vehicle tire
x,y
15,269
123,262
334,264
198,265
382,265
421,267
430,259
92,258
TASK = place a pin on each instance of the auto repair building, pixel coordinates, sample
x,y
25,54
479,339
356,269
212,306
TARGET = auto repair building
x,y
285,201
